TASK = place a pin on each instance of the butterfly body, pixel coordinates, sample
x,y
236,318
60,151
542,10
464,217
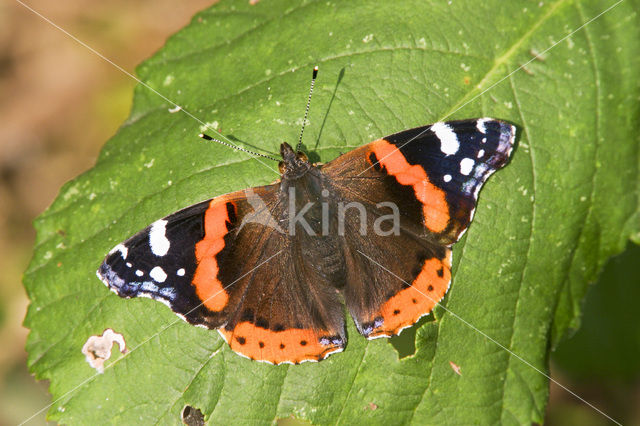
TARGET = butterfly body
x,y
270,267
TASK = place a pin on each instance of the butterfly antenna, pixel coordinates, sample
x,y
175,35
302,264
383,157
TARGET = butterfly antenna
x,y
236,147
306,112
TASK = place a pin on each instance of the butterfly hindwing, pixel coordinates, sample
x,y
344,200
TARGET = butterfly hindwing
x,y
393,281
285,311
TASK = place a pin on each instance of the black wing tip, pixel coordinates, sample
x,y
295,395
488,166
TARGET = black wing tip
x,y
113,281
507,139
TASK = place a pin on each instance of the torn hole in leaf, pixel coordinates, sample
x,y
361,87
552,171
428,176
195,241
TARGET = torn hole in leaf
x,y
97,349
405,343
192,416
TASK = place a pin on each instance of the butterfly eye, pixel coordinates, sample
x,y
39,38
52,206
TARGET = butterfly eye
x,y
281,167
302,156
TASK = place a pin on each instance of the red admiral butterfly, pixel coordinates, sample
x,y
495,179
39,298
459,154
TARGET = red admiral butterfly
x,y
270,267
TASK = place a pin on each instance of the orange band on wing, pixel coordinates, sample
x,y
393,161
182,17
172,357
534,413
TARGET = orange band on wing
x,y
293,345
435,209
408,305
208,288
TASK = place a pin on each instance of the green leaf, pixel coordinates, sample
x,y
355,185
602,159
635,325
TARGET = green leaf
x,y
544,226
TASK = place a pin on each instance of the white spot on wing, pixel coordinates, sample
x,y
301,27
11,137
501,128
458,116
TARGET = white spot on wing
x,y
481,153
466,165
180,272
139,273
448,140
447,178
480,124
158,274
124,251
158,238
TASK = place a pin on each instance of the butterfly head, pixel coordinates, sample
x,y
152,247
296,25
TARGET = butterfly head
x,y
294,164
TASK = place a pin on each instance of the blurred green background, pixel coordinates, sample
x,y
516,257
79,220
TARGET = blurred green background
x,y
59,103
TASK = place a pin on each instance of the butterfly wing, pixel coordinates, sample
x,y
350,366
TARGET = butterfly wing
x,y
288,313
432,175
393,280
226,264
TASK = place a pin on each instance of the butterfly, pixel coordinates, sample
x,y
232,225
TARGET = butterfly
x,y
272,268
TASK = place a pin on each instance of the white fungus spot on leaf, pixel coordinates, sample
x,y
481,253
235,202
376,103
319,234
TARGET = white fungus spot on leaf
x,y
209,125
97,349
168,80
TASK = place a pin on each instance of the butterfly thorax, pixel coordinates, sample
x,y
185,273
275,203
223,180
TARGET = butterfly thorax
x,y
294,165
